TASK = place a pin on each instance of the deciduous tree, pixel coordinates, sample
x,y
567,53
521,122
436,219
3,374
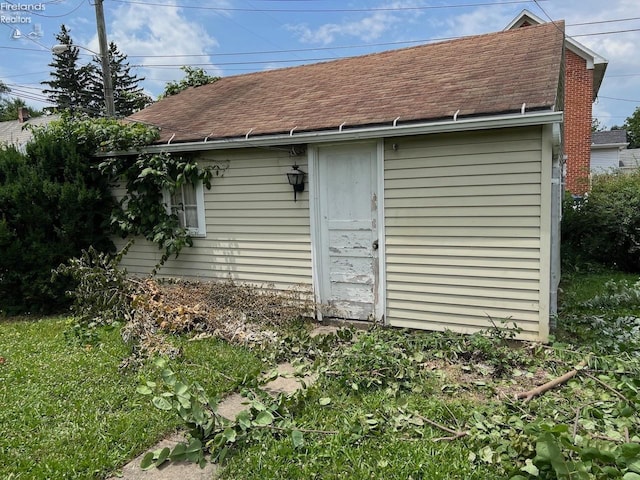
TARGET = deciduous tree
x,y
632,126
9,109
194,77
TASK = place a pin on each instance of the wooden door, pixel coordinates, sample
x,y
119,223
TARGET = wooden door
x,y
348,234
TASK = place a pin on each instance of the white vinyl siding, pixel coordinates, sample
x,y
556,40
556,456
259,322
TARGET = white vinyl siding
x,y
605,160
256,233
463,230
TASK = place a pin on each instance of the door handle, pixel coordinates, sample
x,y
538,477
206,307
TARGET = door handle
x,y
375,244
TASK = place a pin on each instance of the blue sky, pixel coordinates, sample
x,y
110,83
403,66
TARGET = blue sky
x,y
231,37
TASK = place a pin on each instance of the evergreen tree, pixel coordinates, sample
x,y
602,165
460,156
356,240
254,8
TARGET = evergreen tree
x,y
67,87
128,96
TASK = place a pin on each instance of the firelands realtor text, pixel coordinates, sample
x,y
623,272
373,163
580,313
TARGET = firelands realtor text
x,y
18,13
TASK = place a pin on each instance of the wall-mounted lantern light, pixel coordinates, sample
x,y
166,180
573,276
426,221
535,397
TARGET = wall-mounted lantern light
x,y
296,180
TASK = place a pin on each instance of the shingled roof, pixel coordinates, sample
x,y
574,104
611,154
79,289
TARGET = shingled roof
x,y
611,137
475,76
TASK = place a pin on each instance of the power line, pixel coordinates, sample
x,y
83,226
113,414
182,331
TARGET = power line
x,y
25,74
607,33
619,99
255,62
325,10
624,75
310,49
603,21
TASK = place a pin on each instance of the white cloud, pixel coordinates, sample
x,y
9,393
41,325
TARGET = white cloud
x,y
481,20
143,32
369,28
604,116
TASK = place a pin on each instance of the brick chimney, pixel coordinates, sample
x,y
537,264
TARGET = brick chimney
x,y
23,114
577,122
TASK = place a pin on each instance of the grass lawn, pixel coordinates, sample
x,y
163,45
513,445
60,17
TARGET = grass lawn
x,y
68,412
383,401
468,384
387,451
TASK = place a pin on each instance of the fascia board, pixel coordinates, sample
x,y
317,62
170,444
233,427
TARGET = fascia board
x,y
600,146
364,133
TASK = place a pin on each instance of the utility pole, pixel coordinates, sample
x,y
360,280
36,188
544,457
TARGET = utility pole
x,y
104,57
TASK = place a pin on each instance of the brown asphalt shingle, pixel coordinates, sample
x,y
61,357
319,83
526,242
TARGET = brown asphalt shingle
x,y
479,75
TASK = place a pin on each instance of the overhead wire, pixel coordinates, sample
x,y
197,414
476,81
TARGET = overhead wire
x,y
44,48
619,99
326,10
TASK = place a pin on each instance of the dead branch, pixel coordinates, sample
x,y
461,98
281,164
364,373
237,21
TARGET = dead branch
x,y
612,390
528,395
452,415
454,433
575,423
303,430
452,438
608,439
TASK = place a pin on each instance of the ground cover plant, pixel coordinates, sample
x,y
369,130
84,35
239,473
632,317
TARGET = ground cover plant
x,y
404,404
68,411
388,403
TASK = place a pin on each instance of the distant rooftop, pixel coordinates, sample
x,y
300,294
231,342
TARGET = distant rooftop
x,y
17,133
612,137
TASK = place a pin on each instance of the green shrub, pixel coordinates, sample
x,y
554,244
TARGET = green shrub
x,y
53,204
604,226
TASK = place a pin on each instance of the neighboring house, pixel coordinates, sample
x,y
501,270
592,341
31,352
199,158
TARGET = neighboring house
x,y
432,191
630,160
18,133
584,72
606,148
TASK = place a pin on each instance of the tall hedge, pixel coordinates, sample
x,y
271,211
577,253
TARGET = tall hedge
x,y
53,204
604,226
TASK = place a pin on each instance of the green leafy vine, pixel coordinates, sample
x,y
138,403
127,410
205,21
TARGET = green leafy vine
x,y
141,210
145,176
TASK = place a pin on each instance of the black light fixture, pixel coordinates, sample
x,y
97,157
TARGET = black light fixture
x,y
296,180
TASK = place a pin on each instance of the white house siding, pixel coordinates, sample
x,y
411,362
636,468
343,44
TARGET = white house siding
x,y
604,160
463,231
256,233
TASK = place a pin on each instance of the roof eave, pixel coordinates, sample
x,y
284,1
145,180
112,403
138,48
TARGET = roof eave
x,y
594,61
363,133
597,146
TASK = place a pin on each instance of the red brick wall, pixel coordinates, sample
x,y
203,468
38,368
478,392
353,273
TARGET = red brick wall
x,y
577,122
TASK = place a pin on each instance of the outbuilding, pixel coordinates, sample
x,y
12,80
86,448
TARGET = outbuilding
x,y
431,188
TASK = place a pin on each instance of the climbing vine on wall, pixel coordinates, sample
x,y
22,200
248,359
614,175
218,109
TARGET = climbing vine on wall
x,y
142,211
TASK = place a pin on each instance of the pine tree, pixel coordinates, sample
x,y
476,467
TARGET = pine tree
x,y
128,96
67,88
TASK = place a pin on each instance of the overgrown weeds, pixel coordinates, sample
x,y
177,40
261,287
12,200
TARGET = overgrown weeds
x,y
150,311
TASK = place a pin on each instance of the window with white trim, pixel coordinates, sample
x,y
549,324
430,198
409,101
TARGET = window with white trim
x,y
187,203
